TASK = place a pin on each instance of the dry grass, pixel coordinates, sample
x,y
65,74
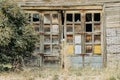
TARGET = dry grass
x,y
54,73
58,74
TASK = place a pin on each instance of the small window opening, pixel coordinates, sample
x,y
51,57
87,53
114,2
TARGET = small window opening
x,y
46,28
88,38
47,38
55,18
47,48
55,39
69,28
77,17
97,38
35,17
69,17
46,18
88,17
88,27
96,16
69,38
88,48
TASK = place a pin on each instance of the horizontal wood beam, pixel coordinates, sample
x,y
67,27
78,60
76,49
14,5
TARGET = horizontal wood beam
x,y
61,7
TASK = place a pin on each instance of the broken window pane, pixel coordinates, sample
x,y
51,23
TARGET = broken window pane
x,y
96,16
55,39
46,28
69,28
97,38
97,49
88,48
69,17
55,18
35,17
55,28
88,27
46,18
77,17
47,48
69,38
88,38
88,17
47,39
77,28
96,27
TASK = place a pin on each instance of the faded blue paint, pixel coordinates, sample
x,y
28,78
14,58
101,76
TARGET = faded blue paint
x,y
93,61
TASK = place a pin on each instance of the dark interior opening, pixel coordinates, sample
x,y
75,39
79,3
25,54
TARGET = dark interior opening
x,y
62,17
96,16
88,17
69,17
88,27
77,17
35,17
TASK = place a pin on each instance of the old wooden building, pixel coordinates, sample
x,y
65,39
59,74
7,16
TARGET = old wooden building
x,y
90,29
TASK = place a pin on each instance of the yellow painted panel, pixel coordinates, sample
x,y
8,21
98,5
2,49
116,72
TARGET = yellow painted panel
x,y
70,49
97,49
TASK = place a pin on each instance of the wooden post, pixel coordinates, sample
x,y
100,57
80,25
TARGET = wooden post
x,y
62,55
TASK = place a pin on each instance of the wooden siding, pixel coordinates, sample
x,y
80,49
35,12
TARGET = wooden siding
x,y
111,18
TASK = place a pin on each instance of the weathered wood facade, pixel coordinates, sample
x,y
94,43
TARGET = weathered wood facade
x,y
90,28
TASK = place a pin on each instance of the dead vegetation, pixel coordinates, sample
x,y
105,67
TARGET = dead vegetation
x,y
55,73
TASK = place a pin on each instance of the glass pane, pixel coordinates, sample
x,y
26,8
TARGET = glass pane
x,y
88,38
96,16
77,17
55,28
96,27
35,17
97,49
46,28
55,18
88,48
47,48
78,49
69,38
46,18
55,39
77,39
97,38
69,28
69,17
88,17
88,27
47,39
55,48
77,28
